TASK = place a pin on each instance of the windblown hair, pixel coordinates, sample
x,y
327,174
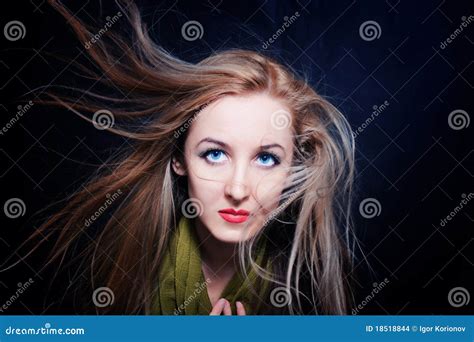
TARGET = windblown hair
x,y
310,229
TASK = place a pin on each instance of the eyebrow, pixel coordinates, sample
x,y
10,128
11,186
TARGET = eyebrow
x,y
225,145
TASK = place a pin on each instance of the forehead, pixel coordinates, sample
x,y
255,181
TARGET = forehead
x,y
244,120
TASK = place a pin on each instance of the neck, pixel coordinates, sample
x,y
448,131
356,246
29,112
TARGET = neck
x,y
219,256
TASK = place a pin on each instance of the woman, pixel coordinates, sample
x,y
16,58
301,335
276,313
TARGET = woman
x,y
235,198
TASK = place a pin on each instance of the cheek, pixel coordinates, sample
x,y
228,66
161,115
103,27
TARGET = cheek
x,y
268,189
206,191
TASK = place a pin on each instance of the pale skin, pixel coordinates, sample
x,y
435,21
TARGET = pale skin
x,y
235,157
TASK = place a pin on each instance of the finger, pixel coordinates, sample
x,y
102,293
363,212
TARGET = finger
x,y
240,309
217,309
227,309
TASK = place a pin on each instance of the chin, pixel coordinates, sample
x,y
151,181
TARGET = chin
x,y
230,232
228,235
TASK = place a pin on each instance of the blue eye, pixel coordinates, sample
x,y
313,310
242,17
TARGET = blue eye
x,y
268,159
214,156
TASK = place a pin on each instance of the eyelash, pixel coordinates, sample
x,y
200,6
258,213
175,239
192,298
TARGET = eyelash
x,y
206,152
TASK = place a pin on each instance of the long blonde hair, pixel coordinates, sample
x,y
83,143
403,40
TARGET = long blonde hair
x,y
311,254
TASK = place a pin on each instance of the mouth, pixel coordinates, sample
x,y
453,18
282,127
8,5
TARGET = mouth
x,y
234,216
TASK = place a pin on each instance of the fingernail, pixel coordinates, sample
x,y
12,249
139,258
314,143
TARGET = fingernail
x,y
222,301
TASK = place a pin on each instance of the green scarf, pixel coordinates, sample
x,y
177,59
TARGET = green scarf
x,y
183,289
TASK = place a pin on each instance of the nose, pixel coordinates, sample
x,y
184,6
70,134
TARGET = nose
x,y
237,188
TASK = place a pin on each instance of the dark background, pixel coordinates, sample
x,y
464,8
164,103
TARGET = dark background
x,y
409,158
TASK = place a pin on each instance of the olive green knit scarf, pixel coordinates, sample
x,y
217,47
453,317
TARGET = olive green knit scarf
x,y
183,289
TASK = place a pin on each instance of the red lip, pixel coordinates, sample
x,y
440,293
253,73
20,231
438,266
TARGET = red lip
x,y
235,212
234,216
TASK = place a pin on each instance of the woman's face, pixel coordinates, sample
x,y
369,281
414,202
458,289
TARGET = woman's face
x,y
236,156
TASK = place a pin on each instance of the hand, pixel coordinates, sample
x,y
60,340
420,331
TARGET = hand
x,y
223,305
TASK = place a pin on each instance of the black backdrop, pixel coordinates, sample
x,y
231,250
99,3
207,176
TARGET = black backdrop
x,y
414,155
